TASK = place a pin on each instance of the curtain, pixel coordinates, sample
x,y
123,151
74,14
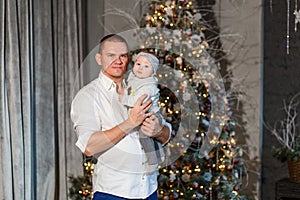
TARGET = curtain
x,y
40,55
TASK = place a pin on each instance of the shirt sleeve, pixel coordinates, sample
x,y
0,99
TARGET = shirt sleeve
x,y
85,118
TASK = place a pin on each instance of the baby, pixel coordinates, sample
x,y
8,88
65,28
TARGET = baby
x,y
142,80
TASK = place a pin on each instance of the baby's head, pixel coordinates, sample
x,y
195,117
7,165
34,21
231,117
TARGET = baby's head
x,y
145,65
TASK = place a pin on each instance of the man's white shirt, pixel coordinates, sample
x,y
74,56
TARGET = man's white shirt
x,y
121,170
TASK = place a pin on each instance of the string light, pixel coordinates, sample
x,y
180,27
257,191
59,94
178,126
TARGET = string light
x,y
296,13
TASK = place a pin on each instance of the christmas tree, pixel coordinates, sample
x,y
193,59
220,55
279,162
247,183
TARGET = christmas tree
x,y
204,171
81,188
203,160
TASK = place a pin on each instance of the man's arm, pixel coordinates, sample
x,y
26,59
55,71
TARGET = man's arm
x,y
164,135
102,140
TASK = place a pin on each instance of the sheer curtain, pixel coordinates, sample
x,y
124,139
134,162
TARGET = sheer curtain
x,y
40,55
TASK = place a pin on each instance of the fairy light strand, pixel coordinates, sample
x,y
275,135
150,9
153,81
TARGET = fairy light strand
x,y
288,28
297,20
296,13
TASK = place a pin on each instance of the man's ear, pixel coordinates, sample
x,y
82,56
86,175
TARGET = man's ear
x,y
98,58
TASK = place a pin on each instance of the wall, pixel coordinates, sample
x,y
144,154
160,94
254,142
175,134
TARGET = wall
x,y
281,82
240,24
104,17
94,31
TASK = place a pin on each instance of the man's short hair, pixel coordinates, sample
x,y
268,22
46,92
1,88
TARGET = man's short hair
x,y
111,37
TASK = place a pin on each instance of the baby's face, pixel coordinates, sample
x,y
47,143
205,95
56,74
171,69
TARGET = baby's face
x,y
142,68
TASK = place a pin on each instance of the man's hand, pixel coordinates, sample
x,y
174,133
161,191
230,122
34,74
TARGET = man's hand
x,y
151,126
139,111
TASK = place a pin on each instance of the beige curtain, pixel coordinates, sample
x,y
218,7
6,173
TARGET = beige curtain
x,y
40,54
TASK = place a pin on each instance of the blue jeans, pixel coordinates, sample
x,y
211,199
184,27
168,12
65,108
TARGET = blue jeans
x,y
105,196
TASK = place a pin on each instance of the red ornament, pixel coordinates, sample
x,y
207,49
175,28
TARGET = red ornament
x,y
169,58
236,161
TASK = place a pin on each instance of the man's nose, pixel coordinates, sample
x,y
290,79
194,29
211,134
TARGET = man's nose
x,y
118,59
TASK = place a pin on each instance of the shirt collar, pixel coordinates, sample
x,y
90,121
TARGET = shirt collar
x,y
107,82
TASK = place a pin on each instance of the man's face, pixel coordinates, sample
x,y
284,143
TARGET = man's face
x,y
142,67
114,59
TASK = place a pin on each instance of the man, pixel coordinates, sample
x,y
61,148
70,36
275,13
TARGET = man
x,y
106,131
